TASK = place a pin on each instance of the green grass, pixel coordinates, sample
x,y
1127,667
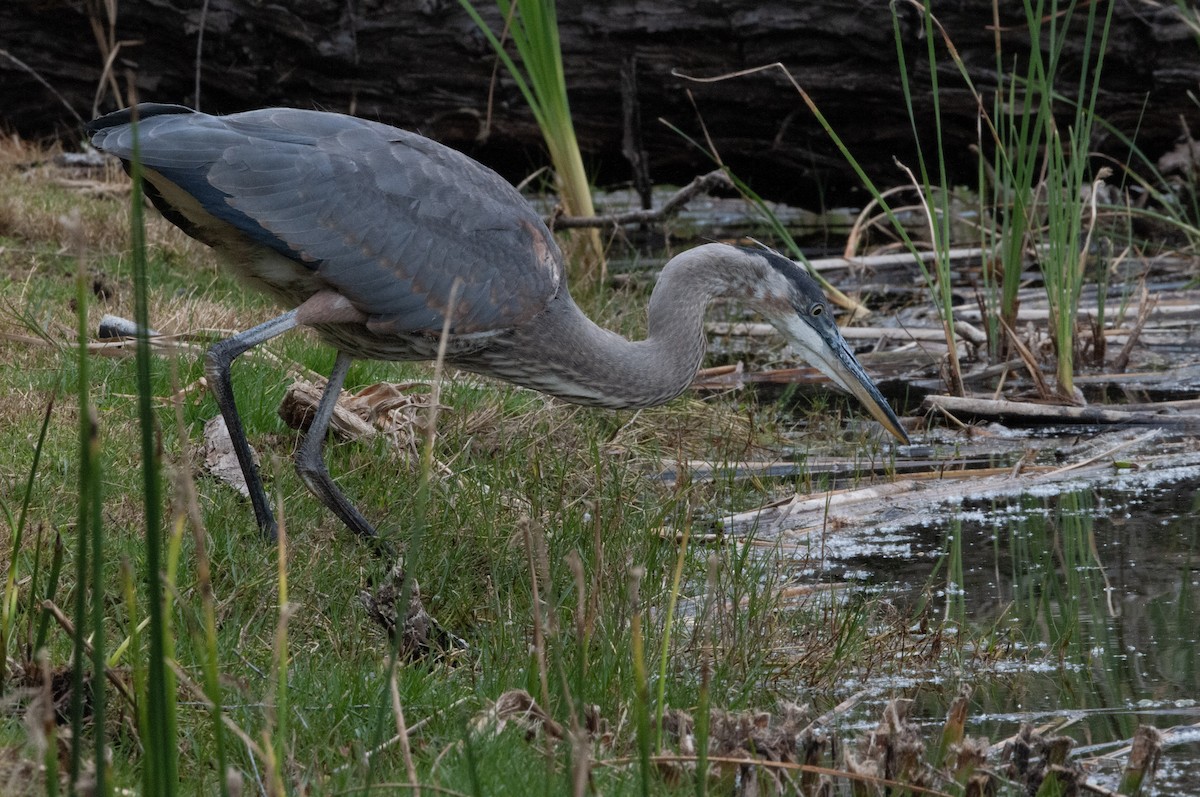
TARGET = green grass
x,y
533,481
543,500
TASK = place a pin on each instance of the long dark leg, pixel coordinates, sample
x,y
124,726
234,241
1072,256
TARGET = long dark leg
x,y
220,358
310,463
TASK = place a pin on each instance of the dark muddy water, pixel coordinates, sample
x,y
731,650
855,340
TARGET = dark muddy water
x,y
1083,607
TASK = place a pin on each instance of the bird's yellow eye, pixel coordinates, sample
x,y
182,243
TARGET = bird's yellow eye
x,y
816,309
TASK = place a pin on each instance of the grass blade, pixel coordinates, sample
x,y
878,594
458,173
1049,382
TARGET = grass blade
x,y
641,707
89,482
56,560
8,610
161,774
672,601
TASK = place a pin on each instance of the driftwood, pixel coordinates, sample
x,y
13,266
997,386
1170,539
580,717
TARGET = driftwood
x,y
422,64
1029,413
299,406
911,500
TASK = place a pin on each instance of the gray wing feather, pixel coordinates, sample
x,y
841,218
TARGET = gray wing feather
x,y
387,218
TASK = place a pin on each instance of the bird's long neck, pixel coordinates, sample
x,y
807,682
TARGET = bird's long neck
x,y
563,353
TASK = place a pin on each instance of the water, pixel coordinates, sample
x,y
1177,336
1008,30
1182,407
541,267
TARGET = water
x,y
1083,611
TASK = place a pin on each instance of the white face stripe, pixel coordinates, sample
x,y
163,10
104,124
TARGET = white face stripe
x,y
813,348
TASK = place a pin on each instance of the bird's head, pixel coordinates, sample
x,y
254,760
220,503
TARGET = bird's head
x,y
795,305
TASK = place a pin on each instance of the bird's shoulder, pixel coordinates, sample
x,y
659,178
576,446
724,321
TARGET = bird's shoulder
x,y
388,218
395,221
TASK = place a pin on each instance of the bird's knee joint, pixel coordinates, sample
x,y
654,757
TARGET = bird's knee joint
x,y
213,368
307,469
217,360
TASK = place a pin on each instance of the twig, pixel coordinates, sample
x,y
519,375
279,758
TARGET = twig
x,y
1145,308
836,711
864,220
199,695
33,73
402,732
701,185
1107,452
69,627
1172,313
412,729
963,253
1026,356
752,329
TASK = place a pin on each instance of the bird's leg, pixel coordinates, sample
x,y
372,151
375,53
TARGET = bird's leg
x,y
310,463
216,367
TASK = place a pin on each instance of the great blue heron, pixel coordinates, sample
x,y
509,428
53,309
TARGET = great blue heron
x,y
364,231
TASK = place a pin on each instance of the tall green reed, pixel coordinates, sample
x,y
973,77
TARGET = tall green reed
x,y
186,491
1040,190
668,624
49,726
1070,192
1015,175
936,195
38,596
533,27
277,737
160,773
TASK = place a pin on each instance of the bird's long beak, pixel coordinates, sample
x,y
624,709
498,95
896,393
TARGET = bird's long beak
x,y
825,348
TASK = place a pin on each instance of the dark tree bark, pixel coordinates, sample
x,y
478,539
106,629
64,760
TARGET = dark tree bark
x,y
421,64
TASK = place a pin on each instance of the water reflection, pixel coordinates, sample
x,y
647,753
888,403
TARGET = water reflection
x,y
1085,607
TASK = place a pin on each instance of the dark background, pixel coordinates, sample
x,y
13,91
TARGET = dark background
x,y
422,64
